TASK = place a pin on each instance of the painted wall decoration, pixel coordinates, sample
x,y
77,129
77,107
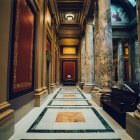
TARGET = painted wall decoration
x,y
22,49
118,14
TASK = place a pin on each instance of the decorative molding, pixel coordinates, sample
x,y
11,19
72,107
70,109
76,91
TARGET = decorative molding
x,y
39,90
5,111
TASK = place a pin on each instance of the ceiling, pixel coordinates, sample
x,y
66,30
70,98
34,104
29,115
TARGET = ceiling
x,y
72,11
71,15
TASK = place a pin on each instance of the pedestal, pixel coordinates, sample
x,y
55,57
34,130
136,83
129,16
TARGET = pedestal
x,y
88,88
40,97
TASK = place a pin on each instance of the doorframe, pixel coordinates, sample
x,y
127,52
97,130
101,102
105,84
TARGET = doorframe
x,y
76,70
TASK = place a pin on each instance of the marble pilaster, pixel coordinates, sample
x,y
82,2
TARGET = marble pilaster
x,y
103,45
120,62
83,60
89,58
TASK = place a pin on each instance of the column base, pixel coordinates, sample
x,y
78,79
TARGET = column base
x,y
132,126
58,84
97,93
40,97
88,88
52,87
6,121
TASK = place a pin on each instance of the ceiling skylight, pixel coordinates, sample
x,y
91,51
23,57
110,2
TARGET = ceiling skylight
x,y
133,2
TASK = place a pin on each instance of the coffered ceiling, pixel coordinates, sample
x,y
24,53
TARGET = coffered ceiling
x,y
70,16
72,11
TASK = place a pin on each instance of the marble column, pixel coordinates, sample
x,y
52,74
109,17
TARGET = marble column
x,y
136,64
120,62
89,57
103,45
6,112
83,49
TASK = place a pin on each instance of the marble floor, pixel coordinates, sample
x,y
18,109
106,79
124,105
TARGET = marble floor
x,y
68,114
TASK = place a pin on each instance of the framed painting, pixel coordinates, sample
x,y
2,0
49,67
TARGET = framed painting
x,y
22,48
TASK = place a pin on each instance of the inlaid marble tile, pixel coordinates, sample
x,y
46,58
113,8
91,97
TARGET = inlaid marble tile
x,y
70,103
66,96
69,95
70,117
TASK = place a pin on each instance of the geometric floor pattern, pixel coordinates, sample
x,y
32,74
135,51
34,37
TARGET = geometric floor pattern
x,y
67,115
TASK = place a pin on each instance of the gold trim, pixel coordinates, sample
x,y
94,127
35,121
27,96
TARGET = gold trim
x,y
6,114
4,105
38,90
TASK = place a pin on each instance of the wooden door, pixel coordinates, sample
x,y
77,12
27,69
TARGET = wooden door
x,y
69,71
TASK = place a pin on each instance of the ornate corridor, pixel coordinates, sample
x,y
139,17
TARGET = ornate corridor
x,y
70,69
